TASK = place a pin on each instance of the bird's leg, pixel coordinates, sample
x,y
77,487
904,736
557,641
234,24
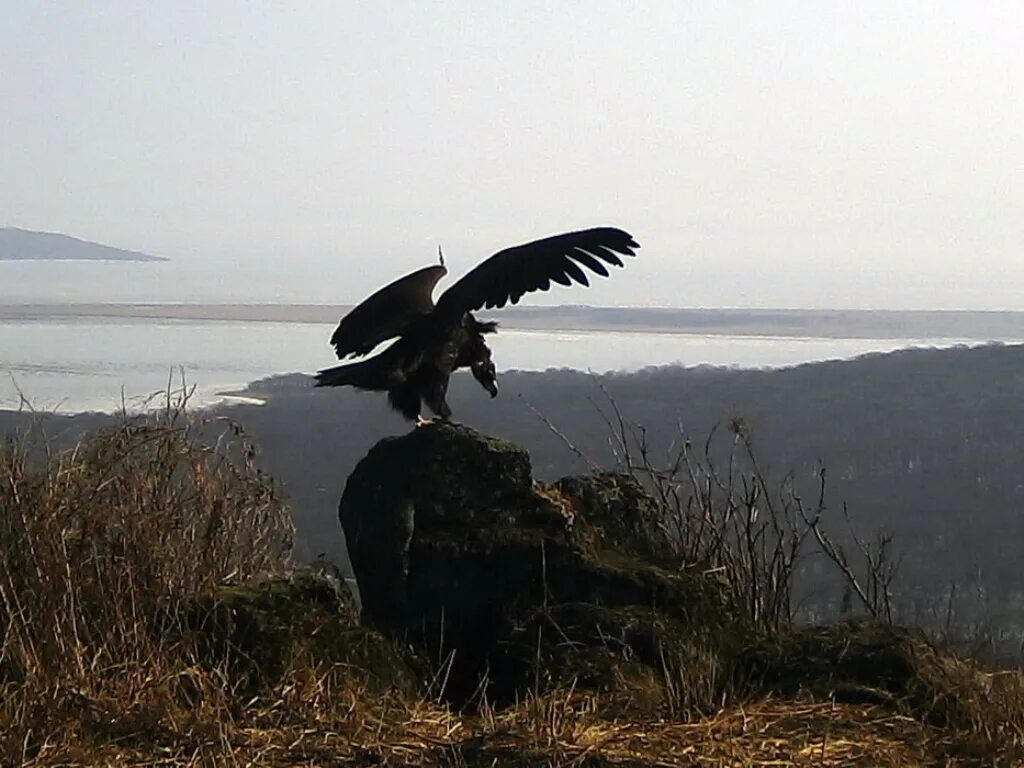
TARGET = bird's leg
x,y
435,398
421,422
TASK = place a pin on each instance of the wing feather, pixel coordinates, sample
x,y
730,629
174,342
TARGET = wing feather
x,y
574,271
560,276
387,313
509,274
589,261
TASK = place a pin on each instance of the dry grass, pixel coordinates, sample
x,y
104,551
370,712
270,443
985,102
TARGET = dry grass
x,y
101,548
554,731
761,733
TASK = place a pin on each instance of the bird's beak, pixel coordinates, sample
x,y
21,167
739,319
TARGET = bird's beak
x,y
485,374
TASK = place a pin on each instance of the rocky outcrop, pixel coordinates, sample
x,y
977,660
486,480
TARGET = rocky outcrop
x,y
457,550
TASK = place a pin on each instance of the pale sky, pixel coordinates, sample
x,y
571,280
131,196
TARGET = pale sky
x,y
774,154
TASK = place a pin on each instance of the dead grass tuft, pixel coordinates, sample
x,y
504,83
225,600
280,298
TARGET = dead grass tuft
x,y
101,548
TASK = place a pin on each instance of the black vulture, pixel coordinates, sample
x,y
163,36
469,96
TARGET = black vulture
x,y
436,339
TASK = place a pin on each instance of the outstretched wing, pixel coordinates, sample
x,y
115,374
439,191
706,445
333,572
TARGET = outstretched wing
x,y
508,274
387,312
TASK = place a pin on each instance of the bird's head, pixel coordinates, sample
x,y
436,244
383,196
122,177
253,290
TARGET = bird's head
x,y
477,355
480,362
483,371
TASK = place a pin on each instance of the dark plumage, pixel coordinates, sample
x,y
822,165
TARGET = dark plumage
x,y
433,340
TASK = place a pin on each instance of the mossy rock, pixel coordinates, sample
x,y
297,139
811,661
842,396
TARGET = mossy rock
x,y
262,630
440,494
864,661
635,659
455,547
613,579
432,467
612,511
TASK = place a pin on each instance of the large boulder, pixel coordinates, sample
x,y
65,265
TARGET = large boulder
x,y
457,550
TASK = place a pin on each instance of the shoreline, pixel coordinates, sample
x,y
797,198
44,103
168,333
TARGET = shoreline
x,y
993,325
242,393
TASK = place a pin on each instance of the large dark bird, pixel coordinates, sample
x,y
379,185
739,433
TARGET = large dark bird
x,y
436,339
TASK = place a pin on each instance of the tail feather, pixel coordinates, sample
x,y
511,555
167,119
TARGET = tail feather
x,y
366,374
339,376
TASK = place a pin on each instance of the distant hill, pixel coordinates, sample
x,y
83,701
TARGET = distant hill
x,y
25,245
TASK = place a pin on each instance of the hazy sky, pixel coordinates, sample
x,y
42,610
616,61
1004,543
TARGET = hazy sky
x,y
855,154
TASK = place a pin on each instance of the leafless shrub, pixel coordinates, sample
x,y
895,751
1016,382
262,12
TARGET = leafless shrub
x,y
722,514
872,581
